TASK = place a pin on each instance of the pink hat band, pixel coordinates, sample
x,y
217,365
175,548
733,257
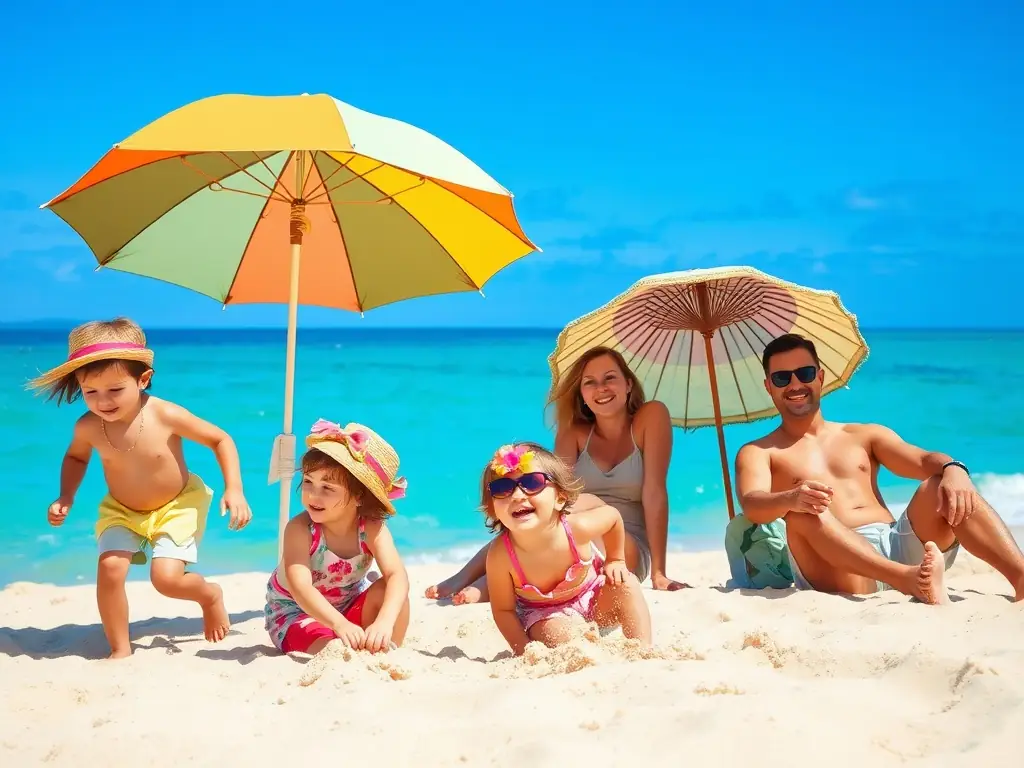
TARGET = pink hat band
x,y
104,346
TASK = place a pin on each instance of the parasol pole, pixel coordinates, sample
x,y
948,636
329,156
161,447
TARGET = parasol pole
x,y
286,450
708,332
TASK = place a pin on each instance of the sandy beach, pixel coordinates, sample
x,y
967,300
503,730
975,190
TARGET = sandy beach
x,y
770,677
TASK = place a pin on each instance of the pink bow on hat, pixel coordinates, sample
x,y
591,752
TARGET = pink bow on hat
x,y
357,442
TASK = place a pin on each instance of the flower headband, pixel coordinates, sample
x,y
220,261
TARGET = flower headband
x,y
357,441
512,458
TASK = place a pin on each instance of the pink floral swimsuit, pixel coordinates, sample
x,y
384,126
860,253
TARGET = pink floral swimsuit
x,y
341,580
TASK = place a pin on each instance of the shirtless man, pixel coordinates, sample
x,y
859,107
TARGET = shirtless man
x,y
822,478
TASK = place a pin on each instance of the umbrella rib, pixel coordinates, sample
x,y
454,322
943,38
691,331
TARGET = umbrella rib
x,y
218,183
588,332
248,242
672,336
732,367
820,339
468,280
326,192
230,159
818,315
322,186
117,251
344,244
585,341
689,374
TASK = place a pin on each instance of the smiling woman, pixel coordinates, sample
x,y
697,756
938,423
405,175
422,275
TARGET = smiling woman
x,y
620,446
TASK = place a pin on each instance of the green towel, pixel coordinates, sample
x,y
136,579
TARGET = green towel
x,y
758,556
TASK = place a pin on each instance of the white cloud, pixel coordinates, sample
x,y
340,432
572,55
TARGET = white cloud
x,y
66,272
858,201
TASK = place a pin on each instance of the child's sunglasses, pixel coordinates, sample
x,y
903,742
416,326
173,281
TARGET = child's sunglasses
x,y
532,483
804,375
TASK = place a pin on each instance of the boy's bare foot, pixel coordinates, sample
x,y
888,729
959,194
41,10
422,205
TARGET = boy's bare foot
x,y
467,595
216,621
120,654
445,588
931,576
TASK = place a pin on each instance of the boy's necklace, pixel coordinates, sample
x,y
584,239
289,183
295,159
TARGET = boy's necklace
x,y
142,423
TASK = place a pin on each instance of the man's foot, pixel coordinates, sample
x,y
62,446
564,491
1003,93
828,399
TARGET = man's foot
x,y
120,654
445,588
216,621
931,577
467,595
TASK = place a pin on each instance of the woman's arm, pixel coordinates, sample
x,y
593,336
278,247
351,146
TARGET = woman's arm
x,y
392,570
297,540
605,523
503,598
656,431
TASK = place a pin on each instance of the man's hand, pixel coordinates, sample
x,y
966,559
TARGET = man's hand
x,y
234,501
958,498
58,512
810,498
663,583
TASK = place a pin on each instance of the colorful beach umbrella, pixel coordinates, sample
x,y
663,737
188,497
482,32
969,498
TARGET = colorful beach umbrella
x,y
695,339
295,200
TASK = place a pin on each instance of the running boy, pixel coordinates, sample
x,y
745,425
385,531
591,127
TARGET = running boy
x,y
152,497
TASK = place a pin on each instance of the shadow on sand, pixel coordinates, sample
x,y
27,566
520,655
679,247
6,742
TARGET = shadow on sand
x,y
87,641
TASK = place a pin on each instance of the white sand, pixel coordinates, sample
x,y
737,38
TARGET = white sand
x,y
765,678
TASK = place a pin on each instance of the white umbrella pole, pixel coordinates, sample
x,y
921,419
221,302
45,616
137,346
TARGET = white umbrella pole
x,y
287,454
284,449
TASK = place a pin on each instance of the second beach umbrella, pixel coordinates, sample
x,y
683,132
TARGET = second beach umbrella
x,y
296,200
695,339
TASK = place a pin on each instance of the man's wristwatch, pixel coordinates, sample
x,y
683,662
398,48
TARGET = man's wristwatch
x,y
959,464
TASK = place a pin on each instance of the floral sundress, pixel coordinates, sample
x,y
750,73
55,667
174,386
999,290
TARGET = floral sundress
x,y
341,580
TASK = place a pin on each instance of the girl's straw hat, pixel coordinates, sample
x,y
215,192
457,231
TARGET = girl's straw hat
x,y
364,453
119,339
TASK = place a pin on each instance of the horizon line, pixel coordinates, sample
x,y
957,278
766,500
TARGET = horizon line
x,y
47,325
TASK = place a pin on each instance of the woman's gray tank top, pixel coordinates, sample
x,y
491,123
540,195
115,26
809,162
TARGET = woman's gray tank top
x,y
621,487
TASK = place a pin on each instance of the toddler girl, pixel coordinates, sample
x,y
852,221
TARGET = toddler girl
x,y
543,568
320,591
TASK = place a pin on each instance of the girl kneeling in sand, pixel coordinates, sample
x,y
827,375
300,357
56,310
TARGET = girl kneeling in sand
x,y
320,591
542,569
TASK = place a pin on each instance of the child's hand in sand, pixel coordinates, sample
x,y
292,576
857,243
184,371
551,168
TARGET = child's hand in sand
x,y
233,501
350,634
378,636
616,571
58,512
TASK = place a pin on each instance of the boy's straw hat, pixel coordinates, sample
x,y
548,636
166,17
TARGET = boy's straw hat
x,y
364,453
116,340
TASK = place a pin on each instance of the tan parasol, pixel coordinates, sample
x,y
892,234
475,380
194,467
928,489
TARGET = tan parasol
x,y
695,339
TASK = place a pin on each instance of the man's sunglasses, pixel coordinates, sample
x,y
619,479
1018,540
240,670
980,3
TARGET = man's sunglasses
x,y
804,375
532,483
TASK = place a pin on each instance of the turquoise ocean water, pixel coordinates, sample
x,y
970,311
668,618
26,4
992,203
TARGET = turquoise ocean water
x,y
445,399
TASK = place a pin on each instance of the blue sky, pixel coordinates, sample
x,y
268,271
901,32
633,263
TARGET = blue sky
x,y
861,147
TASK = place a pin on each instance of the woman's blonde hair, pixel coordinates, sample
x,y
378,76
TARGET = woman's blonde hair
x,y
562,477
567,399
